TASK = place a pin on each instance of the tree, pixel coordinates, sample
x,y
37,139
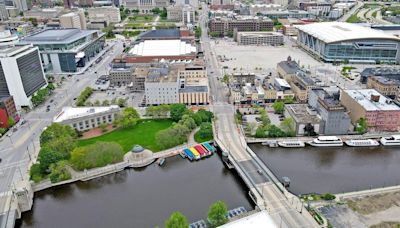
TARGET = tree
x,y
362,126
121,102
96,155
35,173
188,122
114,101
279,107
163,13
287,125
51,86
176,220
46,157
217,214
129,117
177,111
309,130
96,103
197,32
264,117
2,131
225,79
288,100
105,103
172,136
55,131
59,172
103,127
10,122
206,131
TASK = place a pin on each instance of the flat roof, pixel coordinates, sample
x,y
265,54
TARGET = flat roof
x,y
257,220
282,82
161,33
57,36
68,113
363,97
331,32
302,114
194,89
162,48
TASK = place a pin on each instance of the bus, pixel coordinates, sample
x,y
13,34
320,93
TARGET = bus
x,y
195,153
202,152
189,154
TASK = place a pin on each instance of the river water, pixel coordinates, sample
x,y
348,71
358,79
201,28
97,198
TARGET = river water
x,y
139,197
335,170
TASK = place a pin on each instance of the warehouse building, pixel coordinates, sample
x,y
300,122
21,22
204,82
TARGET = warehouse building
x,y
339,41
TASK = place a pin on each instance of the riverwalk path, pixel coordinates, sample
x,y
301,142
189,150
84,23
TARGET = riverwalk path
x,y
129,161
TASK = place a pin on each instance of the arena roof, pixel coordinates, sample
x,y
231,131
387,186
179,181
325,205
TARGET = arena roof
x,y
162,48
331,32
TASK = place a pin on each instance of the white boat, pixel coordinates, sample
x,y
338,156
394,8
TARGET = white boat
x,y
326,141
361,142
289,144
393,140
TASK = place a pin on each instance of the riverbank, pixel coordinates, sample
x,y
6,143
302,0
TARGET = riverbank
x,y
158,190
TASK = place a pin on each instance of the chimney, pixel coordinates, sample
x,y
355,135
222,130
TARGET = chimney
x,y
375,98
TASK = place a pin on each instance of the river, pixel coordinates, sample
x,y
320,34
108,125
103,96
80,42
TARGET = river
x,y
139,197
335,170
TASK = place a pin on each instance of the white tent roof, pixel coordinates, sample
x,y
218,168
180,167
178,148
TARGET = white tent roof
x,y
162,48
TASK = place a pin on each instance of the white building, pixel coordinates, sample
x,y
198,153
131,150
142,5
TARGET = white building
x,y
110,13
161,87
85,118
259,38
145,6
181,13
21,73
193,3
162,48
73,20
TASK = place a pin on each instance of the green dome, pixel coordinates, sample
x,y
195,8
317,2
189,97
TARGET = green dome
x,y
137,149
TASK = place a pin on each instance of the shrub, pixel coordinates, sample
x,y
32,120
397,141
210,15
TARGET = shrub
x,y
59,172
328,196
35,173
96,155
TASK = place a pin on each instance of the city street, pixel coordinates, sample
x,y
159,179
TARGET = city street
x,y
22,146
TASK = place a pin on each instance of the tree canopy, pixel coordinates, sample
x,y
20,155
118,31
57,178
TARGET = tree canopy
x,y
177,220
96,155
217,214
279,107
129,117
177,111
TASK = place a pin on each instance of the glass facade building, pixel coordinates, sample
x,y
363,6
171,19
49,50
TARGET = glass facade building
x,y
348,45
65,50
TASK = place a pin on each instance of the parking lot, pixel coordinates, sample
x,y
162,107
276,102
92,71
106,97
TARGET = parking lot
x,y
132,98
248,58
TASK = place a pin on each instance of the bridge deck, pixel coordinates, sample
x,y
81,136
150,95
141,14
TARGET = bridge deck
x,y
284,207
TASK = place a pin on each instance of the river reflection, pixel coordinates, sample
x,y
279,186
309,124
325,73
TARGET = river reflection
x,y
336,170
139,198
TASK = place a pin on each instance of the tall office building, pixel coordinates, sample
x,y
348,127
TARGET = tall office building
x,y
73,20
3,11
21,73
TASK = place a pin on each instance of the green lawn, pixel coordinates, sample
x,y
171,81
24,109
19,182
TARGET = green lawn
x,y
354,19
143,133
200,139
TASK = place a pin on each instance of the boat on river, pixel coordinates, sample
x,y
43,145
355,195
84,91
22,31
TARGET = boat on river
x,y
393,140
326,141
361,142
291,144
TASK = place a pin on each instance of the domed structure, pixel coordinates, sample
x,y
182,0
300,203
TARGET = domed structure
x,y
137,149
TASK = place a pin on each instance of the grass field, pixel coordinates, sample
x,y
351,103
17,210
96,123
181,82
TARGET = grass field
x,y
354,19
143,133
199,139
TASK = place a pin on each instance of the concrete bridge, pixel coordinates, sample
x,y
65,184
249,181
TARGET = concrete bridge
x,y
265,189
